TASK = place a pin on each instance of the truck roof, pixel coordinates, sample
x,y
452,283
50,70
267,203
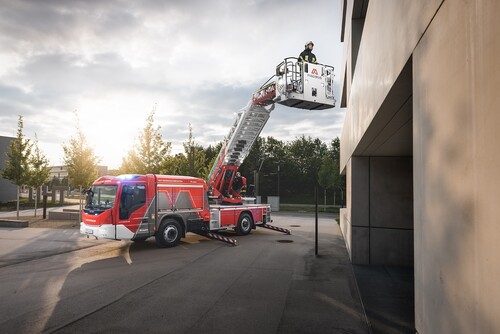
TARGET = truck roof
x,y
178,179
111,179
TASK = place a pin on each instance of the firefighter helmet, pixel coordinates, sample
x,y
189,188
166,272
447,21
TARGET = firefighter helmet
x,y
309,42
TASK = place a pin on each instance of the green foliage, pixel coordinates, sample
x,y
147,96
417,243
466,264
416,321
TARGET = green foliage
x,y
81,161
54,182
255,158
326,175
193,162
339,180
329,173
17,164
39,170
211,153
293,169
289,169
196,157
175,165
306,154
18,158
150,154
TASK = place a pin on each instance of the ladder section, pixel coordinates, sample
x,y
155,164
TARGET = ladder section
x,y
246,129
295,84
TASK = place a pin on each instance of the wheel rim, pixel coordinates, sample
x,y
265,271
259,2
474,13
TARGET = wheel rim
x,y
245,224
170,233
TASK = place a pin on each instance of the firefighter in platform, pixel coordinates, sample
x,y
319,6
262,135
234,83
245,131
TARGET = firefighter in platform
x,y
307,55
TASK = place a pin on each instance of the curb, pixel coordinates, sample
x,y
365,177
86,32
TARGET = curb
x,y
13,223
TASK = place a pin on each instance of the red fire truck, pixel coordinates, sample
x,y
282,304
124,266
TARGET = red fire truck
x,y
136,207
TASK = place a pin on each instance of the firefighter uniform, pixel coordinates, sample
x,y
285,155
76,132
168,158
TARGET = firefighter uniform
x,y
307,55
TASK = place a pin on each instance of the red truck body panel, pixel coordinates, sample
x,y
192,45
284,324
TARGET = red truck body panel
x,y
134,206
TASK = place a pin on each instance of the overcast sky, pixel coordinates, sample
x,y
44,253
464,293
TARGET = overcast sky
x,y
195,61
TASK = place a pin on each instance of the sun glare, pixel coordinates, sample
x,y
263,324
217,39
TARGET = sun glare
x,y
111,125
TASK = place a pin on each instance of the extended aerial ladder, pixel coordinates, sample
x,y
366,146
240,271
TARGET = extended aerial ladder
x,y
295,84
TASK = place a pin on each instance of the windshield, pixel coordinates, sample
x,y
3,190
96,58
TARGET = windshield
x,y
101,197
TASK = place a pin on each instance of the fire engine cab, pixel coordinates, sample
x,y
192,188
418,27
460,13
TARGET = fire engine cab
x,y
136,207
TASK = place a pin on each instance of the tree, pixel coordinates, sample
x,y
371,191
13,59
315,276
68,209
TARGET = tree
x,y
326,175
195,157
251,167
55,181
192,162
306,154
339,182
17,165
211,153
175,165
299,164
150,154
81,162
39,170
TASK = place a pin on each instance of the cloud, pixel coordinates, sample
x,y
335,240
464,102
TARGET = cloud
x,y
113,61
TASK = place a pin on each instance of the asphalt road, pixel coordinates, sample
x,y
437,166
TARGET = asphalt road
x,y
54,280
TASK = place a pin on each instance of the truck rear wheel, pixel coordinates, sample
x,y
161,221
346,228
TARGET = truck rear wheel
x,y
244,224
168,234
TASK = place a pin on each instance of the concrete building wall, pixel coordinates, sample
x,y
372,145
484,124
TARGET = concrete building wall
x,y
8,191
378,221
391,31
391,211
428,71
355,223
457,170
378,124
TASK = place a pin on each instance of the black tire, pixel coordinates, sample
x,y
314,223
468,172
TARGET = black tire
x,y
169,233
245,224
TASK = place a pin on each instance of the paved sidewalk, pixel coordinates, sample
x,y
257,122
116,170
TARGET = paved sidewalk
x,y
388,298
325,297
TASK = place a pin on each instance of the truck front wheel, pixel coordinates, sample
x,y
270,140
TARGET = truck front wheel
x,y
244,224
168,234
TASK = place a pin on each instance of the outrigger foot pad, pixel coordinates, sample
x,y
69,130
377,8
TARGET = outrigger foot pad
x,y
276,228
218,237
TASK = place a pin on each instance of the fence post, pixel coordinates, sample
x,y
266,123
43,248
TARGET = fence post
x,y
316,221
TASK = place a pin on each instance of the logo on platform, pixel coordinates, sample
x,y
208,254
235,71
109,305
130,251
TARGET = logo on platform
x,y
314,74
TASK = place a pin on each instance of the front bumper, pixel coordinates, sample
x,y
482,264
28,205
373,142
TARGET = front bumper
x,y
106,231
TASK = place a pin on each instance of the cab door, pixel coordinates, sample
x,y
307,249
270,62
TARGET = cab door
x,y
132,210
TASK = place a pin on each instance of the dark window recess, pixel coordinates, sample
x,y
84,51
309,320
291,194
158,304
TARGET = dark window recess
x,y
132,198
